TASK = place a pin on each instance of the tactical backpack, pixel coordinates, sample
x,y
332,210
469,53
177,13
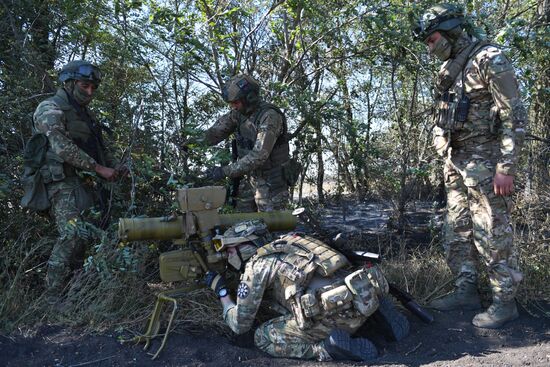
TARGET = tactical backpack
x,y
305,258
34,157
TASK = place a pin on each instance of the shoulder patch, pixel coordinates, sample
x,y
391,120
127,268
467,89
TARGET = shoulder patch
x,y
243,291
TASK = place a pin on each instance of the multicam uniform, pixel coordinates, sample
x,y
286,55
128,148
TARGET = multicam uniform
x,y
316,288
74,143
262,152
486,142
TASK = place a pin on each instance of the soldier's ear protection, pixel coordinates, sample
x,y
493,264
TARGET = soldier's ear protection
x,y
250,93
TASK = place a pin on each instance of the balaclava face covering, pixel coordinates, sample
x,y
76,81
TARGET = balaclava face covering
x,y
79,95
442,48
459,40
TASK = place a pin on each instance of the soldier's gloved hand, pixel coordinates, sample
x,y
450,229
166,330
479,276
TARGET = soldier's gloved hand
x,y
216,174
216,282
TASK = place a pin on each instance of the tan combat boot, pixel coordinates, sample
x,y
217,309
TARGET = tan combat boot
x,y
463,297
496,315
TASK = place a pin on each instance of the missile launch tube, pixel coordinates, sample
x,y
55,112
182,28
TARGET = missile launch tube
x,y
160,228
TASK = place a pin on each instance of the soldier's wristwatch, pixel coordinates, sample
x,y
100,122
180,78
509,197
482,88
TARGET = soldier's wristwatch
x,y
222,292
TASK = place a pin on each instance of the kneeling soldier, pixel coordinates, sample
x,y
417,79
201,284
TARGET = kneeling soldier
x,y
324,301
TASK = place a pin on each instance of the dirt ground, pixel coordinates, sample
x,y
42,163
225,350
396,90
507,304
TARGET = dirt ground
x,y
450,341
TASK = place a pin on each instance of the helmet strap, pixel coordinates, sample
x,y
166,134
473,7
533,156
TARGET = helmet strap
x,y
241,268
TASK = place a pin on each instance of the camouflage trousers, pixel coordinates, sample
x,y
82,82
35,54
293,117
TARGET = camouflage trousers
x,y
281,337
478,223
69,199
258,194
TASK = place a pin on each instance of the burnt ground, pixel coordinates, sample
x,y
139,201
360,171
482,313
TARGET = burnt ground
x,y
450,341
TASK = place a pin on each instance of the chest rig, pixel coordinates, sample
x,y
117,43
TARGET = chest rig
x,y
452,103
247,132
82,127
313,282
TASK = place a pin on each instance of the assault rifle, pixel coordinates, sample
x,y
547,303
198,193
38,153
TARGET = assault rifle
x,y
193,229
364,258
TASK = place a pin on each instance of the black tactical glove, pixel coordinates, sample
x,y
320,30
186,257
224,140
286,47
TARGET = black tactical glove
x,y
216,282
216,174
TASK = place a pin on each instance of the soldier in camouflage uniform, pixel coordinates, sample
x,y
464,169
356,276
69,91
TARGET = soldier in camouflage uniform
x,y
260,129
479,130
322,300
75,144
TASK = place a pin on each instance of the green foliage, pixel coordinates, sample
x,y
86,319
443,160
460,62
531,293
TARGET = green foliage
x,y
354,85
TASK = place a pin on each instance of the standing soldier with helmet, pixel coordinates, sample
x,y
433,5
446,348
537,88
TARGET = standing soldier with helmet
x,y
261,135
321,298
72,143
479,130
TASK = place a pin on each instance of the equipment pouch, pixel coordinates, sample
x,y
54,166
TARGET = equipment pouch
x,y
83,198
310,306
291,171
336,299
36,194
462,109
446,112
364,294
55,166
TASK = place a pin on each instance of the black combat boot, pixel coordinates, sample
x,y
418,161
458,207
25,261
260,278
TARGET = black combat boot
x,y
389,321
342,347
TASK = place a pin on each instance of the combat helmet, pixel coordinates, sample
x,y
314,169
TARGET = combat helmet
x,y
241,87
247,237
442,17
80,70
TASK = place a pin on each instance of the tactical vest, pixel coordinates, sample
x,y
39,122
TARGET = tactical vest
x,y
466,113
82,127
302,261
85,134
247,132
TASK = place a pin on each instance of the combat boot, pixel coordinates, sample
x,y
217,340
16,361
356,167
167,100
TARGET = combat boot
x,y
496,315
463,297
342,347
387,321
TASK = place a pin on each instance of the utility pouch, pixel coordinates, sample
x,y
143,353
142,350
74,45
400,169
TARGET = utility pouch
x,y
83,197
462,109
336,299
446,107
364,294
55,166
36,194
310,306
302,320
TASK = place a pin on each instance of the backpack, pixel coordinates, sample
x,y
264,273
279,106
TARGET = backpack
x,y
34,157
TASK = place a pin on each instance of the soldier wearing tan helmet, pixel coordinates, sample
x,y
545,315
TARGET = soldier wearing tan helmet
x,y
260,130
322,299
479,129
67,141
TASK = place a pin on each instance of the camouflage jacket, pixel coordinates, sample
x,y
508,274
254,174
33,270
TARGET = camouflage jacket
x,y
261,139
496,117
303,276
257,278
69,137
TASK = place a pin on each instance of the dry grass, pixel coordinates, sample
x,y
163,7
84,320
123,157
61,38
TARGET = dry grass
x,y
103,296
